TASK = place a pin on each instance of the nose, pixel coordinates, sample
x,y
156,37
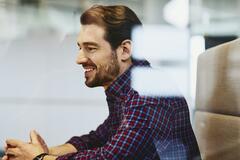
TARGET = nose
x,y
81,58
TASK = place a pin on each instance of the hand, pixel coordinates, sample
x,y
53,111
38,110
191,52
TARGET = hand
x,y
18,150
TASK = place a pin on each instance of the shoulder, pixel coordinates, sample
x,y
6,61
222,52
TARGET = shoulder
x,y
134,99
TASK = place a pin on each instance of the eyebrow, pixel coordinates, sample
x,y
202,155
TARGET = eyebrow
x,y
88,43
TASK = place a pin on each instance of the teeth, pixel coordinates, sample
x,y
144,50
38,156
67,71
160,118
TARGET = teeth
x,y
88,70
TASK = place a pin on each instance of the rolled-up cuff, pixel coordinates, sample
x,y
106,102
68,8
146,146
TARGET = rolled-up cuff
x,y
77,143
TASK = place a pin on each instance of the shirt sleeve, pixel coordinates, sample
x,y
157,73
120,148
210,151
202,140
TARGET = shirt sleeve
x,y
92,140
131,138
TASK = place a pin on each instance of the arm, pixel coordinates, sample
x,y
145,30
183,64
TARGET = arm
x,y
91,140
132,138
121,146
94,139
62,149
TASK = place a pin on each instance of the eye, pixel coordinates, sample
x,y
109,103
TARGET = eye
x,y
91,49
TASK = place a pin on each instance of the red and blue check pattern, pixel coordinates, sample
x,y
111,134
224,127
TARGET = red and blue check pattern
x,y
138,127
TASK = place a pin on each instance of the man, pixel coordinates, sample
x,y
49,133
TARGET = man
x,y
138,127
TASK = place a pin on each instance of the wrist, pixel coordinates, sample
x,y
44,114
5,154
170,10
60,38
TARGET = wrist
x,y
50,157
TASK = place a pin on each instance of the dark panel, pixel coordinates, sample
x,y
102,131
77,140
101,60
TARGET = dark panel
x,y
211,41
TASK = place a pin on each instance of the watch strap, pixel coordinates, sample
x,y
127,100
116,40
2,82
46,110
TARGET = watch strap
x,y
40,156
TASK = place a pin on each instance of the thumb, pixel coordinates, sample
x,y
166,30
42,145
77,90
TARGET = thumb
x,y
34,137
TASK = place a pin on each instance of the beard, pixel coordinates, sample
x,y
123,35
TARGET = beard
x,y
105,73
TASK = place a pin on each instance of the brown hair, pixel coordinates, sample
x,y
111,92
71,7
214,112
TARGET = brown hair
x,y
118,22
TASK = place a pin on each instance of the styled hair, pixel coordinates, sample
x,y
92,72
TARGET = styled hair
x,y
117,21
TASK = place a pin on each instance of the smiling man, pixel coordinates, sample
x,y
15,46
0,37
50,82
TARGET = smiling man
x,y
97,57
138,127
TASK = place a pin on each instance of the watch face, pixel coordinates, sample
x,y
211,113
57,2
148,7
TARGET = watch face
x,y
40,157
36,158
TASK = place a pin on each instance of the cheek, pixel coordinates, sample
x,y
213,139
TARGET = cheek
x,y
102,68
105,60
101,62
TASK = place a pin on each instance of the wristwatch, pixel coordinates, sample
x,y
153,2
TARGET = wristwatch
x,y
40,156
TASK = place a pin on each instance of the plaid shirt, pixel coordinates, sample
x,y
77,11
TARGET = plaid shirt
x,y
138,127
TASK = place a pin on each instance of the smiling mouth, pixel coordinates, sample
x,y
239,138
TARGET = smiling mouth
x,y
88,70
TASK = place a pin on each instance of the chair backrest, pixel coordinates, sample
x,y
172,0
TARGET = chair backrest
x,y
217,116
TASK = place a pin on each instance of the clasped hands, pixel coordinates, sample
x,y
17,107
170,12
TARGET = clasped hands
x,y
19,150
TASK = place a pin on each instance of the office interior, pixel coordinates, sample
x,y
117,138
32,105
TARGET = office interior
x,y
42,88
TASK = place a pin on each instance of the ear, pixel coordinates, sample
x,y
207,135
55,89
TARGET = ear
x,y
125,50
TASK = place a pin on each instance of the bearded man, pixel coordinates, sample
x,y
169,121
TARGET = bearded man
x,y
138,127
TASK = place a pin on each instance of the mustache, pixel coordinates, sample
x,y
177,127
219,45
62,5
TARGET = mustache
x,y
89,63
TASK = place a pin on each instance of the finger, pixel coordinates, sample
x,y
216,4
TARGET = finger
x,y
38,138
34,137
42,142
10,157
5,157
14,143
13,152
13,158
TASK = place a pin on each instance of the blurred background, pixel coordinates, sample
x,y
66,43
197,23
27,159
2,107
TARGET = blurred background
x,y
42,88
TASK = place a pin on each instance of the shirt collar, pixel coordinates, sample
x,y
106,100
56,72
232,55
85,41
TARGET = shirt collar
x,y
122,85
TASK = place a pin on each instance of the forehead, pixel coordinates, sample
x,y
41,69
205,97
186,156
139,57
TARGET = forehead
x,y
91,33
